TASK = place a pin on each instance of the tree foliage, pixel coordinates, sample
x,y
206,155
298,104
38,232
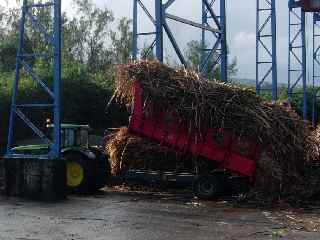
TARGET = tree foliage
x,y
122,42
195,57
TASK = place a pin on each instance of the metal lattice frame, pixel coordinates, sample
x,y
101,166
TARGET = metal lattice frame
x,y
218,51
316,67
297,55
18,109
159,20
136,34
266,48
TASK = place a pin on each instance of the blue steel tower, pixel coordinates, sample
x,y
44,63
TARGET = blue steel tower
x,y
266,48
214,14
297,60
212,23
21,110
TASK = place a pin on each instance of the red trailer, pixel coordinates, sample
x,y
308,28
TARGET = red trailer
x,y
216,145
310,5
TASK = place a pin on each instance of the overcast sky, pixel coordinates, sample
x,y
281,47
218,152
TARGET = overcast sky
x,y
241,15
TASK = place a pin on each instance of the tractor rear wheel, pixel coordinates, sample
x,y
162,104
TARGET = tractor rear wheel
x,y
80,172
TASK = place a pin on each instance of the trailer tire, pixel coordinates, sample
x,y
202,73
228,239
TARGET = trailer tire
x,y
207,187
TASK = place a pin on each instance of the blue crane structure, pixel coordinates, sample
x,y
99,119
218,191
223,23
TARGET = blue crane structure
x,y
213,22
266,48
52,38
297,60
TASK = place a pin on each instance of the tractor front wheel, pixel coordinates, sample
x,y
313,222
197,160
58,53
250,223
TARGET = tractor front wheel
x,y
79,171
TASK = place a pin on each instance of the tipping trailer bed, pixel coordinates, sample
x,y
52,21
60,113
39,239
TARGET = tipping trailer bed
x,y
214,144
234,160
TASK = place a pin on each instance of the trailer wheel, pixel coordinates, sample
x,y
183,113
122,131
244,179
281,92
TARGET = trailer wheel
x,y
207,187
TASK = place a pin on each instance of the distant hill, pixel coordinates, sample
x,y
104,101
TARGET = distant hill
x,y
252,82
245,81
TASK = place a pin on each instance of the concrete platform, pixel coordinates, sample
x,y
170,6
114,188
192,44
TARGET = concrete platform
x,y
39,179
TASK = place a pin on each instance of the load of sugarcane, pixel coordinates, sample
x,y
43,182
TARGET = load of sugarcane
x,y
288,145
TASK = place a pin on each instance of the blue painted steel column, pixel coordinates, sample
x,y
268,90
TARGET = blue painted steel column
x,y
57,79
17,74
315,66
314,87
297,73
203,35
159,29
304,65
289,50
135,30
274,51
257,47
266,48
224,47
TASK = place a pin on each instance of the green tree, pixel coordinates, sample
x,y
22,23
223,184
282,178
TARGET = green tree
x,y
194,56
87,34
8,52
121,42
2,24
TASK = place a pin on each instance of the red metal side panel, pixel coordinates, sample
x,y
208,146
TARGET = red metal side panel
x,y
310,5
166,131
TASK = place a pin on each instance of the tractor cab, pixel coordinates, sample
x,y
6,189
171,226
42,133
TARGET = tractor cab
x,y
74,136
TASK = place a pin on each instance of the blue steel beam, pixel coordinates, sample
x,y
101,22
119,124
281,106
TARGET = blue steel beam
x,y
297,63
55,150
135,30
203,33
174,44
146,11
224,53
316,67
159,29
17,77
266,53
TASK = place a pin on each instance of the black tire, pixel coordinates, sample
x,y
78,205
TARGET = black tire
x,y
102,169
75,185
239,185
207,187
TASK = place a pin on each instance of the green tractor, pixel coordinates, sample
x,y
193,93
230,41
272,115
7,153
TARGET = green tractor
x,y
87,167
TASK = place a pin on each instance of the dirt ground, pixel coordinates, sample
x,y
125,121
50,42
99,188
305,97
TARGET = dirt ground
x,y
121,215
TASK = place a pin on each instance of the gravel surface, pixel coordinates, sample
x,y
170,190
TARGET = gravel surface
x,y
122,215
